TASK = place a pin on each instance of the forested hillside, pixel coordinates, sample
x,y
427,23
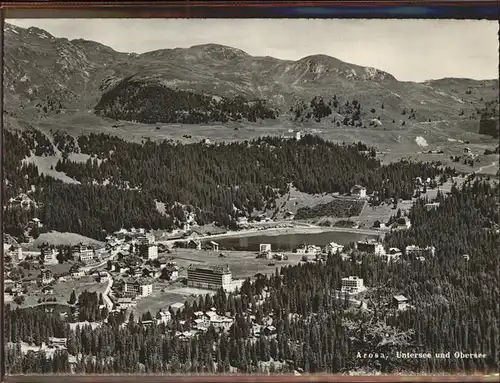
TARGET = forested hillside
x,y
490,123
156,103
218,183
446,293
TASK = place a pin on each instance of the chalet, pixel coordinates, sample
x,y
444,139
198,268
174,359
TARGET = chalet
x,y
308,249
403,223
194,244
221,323
22,201
358,191
172,272
419,251
47,290
393,254
333,248
151,272
57,342
280,257
379,225
35,222
163,317
269,330
135,271
45,277
103,276
431,206
371,247
214,246
401,302
147,323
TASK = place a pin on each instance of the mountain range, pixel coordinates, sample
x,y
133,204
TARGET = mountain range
x,y
45,76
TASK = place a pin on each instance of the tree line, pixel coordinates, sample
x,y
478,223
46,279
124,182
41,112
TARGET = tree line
x,y
122,182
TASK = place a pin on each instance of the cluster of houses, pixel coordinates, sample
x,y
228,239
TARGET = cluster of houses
x,y
199,322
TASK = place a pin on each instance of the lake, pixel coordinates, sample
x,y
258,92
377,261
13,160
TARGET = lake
x,y
289,242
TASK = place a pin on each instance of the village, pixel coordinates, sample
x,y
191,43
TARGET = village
x,y
139,272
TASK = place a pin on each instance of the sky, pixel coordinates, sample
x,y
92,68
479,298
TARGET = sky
x,y
410,50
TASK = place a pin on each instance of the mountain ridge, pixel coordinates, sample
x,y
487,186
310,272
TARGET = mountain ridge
x,y
46,75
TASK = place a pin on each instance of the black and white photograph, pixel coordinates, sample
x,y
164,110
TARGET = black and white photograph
x,y
285,197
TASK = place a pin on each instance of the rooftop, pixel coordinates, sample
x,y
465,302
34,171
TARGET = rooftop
x,y
400,298
216,269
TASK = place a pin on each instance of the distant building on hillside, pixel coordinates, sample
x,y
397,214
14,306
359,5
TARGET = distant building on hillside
x,y
333,248
358,191
401,302
352,285
209,277
417,251
371,247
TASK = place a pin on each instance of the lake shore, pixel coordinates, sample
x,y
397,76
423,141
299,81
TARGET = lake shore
x,y
276,231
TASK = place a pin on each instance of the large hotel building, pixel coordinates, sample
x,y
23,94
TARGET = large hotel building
x,y
209,277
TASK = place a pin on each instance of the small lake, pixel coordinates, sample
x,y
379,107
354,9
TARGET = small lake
x,y
289,242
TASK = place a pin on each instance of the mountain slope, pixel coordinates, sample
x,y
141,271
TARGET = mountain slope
x,y
45,76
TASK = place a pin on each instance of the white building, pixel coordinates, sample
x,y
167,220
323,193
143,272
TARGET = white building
x,y
333,248
49,255
371,247
420,251
358,191
164,317
308,249
141,287
403,223
85,254
209,277
352,285
298,136
149,251
393,254
15,252
264,247
125,303
401,302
